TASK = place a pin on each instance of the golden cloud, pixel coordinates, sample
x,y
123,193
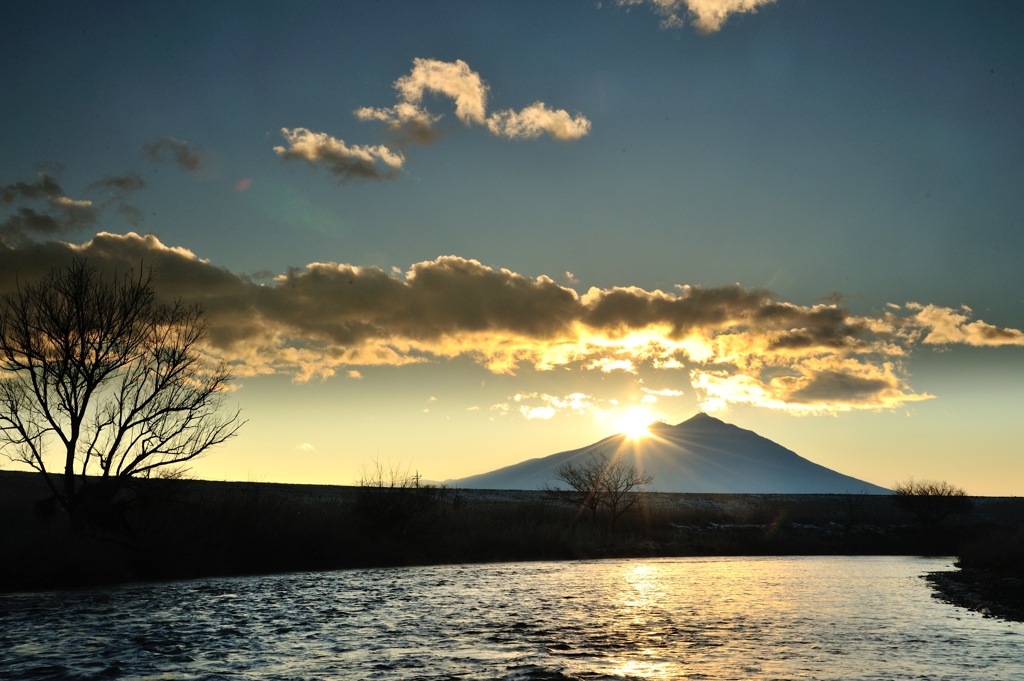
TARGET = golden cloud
x,y
734,344
707,16
354,162
537,119
467,89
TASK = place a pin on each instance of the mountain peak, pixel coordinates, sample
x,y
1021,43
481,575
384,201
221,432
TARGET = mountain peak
x,y
701,454
702,418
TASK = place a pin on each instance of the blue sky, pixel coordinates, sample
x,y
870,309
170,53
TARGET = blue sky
x,y
807,169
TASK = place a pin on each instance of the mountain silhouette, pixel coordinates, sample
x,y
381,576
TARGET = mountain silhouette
x,y
702,454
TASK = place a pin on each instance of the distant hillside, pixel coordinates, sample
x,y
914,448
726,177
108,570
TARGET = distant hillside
x,y
701,454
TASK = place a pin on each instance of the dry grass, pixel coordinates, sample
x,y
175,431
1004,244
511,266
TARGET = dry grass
x,y
182,528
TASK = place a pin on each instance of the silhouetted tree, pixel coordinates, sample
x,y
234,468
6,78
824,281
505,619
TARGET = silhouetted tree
x,y
852,511
621,484
582,485
389,496
931,501
114,380
611,482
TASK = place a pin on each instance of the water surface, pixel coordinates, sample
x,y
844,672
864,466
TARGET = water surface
x,y
693,618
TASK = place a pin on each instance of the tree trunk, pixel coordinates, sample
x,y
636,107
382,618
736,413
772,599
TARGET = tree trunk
x,y
68,502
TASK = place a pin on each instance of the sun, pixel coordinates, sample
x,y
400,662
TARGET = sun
x,y
633,424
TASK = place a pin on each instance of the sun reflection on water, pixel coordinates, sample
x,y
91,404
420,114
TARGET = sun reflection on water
x,y
687,619
644,669
641,619
712,618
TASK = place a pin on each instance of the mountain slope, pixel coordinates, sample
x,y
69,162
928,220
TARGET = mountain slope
x,y
701,454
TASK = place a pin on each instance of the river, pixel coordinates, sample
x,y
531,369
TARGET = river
x,y
683,618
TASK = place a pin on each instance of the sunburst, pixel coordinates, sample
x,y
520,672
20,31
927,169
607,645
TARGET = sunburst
x,y
634,423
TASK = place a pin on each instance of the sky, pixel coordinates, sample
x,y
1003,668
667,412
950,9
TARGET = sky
x,y
453,236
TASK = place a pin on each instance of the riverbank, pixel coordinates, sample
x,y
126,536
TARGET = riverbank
x,y
993,593
991,575
171,529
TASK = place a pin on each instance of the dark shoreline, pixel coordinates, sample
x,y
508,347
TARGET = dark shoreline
x,y
183,529
992,593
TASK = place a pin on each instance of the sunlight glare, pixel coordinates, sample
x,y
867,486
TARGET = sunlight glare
x,y
634,423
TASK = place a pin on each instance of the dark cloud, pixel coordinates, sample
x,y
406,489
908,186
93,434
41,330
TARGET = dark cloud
x,y
170,150
485,300
629,309
27,222
46,187
741,345
833,298
836,386
819,327
116,188
131,214
53,214
119,185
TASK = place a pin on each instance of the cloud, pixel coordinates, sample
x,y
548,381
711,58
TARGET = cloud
x,y
49,214
730,344
119,185
610,364
45,187
347,162
827,385
41,209
707,16
452,79
410,122
170,150
944,325
117,188
544,406
537,119
665,392
407,121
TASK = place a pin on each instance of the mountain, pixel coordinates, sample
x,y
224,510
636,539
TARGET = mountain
x,y
701,454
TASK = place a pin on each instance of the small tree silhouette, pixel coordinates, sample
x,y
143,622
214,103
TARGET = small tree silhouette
x,y
601,481
621,485
582,486
389,496
931,501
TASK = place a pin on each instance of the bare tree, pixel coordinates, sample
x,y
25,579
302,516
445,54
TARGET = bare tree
x,y
931,501
582,485
852,511
114,380
390,495
621,484
611,482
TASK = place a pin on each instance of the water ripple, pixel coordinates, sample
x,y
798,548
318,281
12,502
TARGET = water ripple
x,y
737,618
